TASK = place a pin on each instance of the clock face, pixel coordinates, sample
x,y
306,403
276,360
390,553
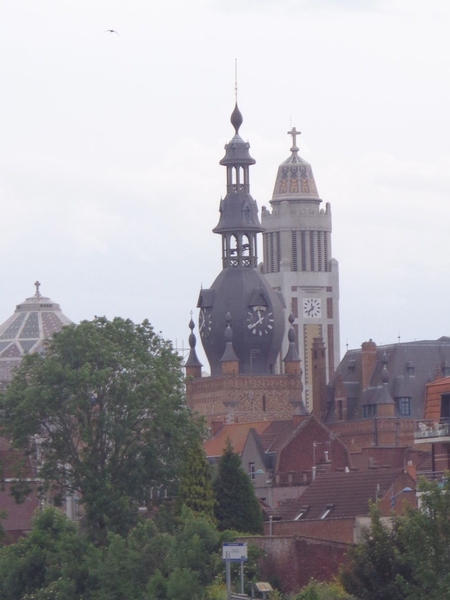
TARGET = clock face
x,y
259,320
312,308
205,322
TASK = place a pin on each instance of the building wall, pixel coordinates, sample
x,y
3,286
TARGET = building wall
x,y
331,530
312,446
357,435
242,398
294,560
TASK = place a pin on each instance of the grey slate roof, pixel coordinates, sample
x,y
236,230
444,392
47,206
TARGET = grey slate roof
x,y
410,366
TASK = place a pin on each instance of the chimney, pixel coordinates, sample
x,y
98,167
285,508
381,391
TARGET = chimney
x,y
368,362
319,378
216,426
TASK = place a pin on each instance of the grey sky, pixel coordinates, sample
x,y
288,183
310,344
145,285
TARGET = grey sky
x,y
109,149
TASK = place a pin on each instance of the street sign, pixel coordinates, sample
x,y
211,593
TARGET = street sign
x,y
234,551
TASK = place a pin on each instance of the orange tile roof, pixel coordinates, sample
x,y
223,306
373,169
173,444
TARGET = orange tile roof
x,y
237,433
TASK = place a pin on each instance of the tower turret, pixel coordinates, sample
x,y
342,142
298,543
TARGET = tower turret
x,y
240,289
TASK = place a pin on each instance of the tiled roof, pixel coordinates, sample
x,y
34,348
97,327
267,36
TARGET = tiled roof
x,y
237,433
347,493
410,366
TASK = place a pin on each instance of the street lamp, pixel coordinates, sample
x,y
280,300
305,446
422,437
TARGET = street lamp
x,y
394,497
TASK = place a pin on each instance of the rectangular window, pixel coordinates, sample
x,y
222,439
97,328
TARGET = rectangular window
x,y
445,406
369,410
294,251
404,406
327,511
251,470
303,247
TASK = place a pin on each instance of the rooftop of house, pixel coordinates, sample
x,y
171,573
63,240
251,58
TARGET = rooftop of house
x,y
339,495
407,367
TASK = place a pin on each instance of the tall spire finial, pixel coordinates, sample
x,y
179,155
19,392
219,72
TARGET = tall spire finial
x,y
294,134
235,80
38,285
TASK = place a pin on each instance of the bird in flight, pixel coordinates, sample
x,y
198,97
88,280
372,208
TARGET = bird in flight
x,y
111,31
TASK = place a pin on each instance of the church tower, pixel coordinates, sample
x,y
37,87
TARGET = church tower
x,y
256,310
299,264
242,318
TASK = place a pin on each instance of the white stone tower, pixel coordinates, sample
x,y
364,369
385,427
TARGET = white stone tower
x,y
298,262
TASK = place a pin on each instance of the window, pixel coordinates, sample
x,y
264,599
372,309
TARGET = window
x,y
445,406
302,512
251,470
369,410
327,511
340,410
404,406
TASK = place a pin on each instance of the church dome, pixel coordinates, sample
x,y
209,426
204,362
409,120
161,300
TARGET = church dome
x,y
295,179
36,319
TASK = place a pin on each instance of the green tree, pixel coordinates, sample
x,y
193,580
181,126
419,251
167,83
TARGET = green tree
x,y
407,559
374,565
237,506
51,562
196,489
320,590
104,410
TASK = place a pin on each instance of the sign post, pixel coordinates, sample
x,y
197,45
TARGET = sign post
x,y
234,552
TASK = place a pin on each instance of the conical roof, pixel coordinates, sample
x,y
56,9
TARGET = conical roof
x,y
34,320
295,179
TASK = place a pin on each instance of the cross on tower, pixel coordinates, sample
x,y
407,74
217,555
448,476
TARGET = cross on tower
x,y
38,285
294,134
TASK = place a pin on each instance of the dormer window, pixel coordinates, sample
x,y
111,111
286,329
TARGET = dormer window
x,y
404,406
326,512
302,512
369,410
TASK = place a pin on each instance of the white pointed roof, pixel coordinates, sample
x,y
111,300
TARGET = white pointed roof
x,y
34,320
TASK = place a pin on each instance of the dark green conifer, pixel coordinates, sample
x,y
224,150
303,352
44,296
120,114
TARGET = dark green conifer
x,y
237,506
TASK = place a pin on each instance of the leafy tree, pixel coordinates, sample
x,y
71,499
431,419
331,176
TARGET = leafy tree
x,y
50,562
423,539
316,590
196,490
409,559
104,410
375,563
237,506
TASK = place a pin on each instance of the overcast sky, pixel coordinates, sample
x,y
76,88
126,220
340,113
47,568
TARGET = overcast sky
x,y
109,150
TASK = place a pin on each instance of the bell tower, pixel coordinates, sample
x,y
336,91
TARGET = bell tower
x,y
255,310
241,318
298,262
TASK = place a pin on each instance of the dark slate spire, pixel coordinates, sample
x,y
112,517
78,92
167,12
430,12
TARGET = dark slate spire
x,y
229,355
239,222
193,365
291,354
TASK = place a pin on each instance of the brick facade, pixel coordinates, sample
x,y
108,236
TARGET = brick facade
x,y
244,398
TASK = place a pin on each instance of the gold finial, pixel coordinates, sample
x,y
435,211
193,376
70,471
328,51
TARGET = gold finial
x,y
38,285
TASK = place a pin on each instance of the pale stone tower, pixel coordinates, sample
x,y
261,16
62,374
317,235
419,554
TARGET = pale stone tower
x,y
298,262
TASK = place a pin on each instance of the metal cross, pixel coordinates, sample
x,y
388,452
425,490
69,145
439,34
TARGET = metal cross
x,y
38,285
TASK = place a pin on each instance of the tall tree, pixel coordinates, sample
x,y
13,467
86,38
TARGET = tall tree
x,y
407,560
103,409
237,506
196,489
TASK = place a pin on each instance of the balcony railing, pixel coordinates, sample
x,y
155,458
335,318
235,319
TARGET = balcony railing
x,y
430,429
